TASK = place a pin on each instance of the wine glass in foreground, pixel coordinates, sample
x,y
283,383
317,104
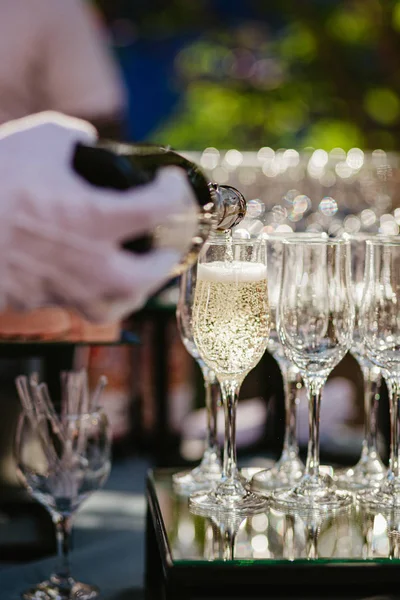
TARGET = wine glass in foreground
x,y
209,471
61,464
369,470
380,321
231,327
315,324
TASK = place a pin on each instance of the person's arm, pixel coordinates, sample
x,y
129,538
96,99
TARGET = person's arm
x,y
79,74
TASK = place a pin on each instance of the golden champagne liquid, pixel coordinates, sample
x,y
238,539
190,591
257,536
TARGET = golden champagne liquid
x,y
231,315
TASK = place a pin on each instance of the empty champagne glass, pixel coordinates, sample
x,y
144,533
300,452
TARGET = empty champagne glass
x,y
315,322
369,470
380,329
61,462
289,468
231,327
209,471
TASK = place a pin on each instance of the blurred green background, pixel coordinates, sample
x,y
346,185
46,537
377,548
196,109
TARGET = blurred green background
x,y
253,73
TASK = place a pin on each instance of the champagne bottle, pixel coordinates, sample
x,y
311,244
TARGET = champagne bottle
x,y
124,166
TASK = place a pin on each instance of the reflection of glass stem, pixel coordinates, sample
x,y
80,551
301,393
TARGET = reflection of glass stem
x,y
228,548
313,526
372,382
368,520
289,537
292,383
212,392
393,384
225,530
393,525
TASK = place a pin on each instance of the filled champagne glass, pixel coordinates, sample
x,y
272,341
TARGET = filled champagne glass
x,y
210,469
315,322
380,329
369,470
231,328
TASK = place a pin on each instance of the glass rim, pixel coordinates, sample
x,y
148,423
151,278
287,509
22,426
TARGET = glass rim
x,y
361,236
306,235
384,240
318,241
234,241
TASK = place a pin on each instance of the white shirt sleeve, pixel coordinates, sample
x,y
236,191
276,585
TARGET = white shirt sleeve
x,y
79,75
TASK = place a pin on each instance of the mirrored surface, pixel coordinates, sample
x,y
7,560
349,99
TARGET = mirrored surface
x,y
348,535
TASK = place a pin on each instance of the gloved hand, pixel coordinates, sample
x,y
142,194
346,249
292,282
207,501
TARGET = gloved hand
x,y
60,237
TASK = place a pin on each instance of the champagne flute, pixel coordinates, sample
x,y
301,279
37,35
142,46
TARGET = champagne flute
x,y
315,322
61,461
380,328
369,470
231,328
209,471
289,468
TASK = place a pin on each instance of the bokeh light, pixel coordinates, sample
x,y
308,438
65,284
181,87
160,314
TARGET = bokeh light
x,y
328,206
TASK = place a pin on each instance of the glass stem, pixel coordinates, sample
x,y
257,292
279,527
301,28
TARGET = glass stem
x,y
314,387
230,396
212,392
63,534
394,393
372,381
292,382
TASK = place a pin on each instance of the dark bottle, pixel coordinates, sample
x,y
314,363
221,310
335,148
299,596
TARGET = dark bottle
x,y
124,166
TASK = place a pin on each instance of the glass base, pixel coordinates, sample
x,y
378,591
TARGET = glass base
x,y
317,494
386,496
282,476
203,477
51,590
229,498
368,472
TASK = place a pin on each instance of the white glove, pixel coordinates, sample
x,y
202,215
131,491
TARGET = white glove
x,y
60,237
